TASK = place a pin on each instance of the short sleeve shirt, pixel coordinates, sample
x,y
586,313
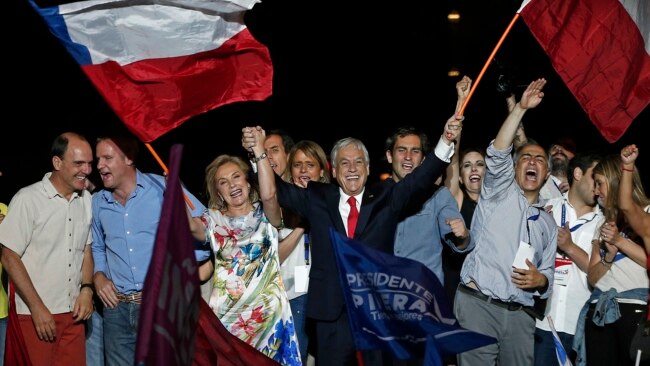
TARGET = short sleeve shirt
x,y
49,233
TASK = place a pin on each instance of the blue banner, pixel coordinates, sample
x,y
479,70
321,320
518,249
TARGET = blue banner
x,y
398,305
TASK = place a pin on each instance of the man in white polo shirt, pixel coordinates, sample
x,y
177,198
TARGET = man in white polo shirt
x,y
577,215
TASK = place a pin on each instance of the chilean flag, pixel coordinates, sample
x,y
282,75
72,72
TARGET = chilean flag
x,y
159,63
601,50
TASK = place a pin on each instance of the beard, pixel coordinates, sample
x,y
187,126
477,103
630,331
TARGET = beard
x,y
559,165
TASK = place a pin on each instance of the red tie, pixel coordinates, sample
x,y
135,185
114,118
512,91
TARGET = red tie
x,y
353,217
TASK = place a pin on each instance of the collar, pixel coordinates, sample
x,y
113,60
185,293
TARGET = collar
x,y
49,187
358,197
50,191
589,216
141,182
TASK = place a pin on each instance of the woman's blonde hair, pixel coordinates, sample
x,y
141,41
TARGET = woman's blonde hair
x,y
314,151
215,201
610,168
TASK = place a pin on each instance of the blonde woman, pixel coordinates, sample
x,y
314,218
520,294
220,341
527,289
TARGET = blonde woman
x,y
617,272
248,295
629,194
307,162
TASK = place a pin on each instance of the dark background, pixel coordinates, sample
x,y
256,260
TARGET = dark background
x,y
341,69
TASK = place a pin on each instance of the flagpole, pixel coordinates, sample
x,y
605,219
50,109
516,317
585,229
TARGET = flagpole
x,y
487,63
166,171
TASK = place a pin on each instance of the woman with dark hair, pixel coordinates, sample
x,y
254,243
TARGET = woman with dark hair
x,y
464,178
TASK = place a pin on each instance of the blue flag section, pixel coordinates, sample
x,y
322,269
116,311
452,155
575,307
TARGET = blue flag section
x,y
398,305
562,357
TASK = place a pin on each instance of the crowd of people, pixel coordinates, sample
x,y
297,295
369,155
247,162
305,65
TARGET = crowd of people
x,y
527,240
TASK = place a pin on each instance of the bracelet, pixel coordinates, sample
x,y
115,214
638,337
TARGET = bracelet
x,y
88,285
627,170
606,264
258,158
606,261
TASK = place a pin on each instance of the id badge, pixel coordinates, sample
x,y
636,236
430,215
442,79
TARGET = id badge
x,y
525,251
301,279
562,271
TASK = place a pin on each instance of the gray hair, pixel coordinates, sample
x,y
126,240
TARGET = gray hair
x,y
345,142
517,154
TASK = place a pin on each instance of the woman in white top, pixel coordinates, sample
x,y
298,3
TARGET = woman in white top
x,y
637,215
307,162
617,271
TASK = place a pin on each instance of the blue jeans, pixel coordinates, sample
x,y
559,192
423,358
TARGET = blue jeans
x,y
121,333
298,307
3,335
545,347
95,340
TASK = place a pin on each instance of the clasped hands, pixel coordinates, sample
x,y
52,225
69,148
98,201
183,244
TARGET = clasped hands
x,y
252,138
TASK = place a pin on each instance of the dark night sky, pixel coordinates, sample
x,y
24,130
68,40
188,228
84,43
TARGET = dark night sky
x,y
337,73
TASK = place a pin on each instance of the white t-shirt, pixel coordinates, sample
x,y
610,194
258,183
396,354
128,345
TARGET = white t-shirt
x,y
625,274
570,285
295,269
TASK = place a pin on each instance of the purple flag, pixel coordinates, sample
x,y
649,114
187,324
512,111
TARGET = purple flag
x,y
215,346
170,306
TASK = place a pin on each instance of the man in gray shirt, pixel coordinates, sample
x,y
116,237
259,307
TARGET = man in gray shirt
x,y
513,260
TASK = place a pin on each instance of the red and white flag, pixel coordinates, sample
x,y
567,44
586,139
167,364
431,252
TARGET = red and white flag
x,y
601,49
159,63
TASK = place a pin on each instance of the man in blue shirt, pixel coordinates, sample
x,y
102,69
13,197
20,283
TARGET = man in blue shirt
x,y
514,257
420,235
124,224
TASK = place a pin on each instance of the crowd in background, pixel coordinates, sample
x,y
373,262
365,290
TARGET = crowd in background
x,y
525,238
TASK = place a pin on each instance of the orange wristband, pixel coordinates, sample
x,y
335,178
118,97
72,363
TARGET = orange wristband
x,y
627,170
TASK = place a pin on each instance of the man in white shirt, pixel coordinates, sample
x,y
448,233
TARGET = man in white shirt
x,y
561,152
577,215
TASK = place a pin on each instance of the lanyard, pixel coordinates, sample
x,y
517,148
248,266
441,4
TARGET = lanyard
x,y
617,257
556,186
306,237
533,218
577,226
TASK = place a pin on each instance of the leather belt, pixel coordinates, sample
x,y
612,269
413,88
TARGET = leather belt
x,y
508,305
132,298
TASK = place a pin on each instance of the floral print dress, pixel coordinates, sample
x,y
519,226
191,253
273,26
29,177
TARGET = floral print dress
x,y
248,295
